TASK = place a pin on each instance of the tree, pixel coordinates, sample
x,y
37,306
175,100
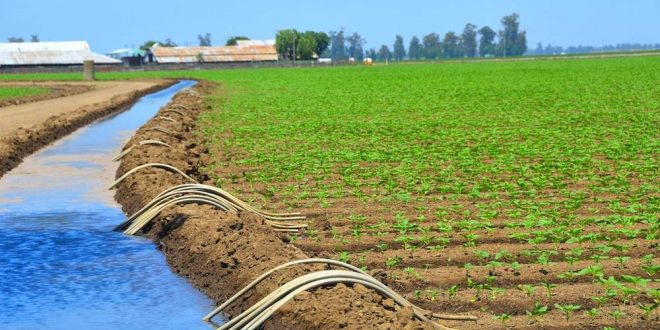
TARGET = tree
x,y
322,41
167,43
384,53
34,38
539,49
337,45
15,39
487,41
469,40
512,41
285,43
371,53
399,51
306,46
432,46
451,45
148,44
204,40
520,47
415,49
355,46
233,41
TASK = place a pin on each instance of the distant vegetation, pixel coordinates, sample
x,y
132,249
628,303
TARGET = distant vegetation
x,y
16,92
233,41
167,43
511,41
33,38
291,44
580,49
471,42
204,40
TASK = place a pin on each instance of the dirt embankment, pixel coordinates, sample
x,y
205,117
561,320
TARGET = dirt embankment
x,y
55,91
17,142
220,253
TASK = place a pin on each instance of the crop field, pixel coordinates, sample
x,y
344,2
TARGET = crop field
x,y
16,92
523,193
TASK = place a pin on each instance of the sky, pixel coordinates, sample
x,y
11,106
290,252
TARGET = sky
x,y
112,24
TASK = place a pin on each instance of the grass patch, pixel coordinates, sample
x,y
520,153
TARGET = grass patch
x,y
16,92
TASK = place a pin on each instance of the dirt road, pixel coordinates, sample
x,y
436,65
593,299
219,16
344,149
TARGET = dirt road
x,y
35,113
26,128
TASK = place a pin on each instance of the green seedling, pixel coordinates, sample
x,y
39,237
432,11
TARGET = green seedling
x,y
568,310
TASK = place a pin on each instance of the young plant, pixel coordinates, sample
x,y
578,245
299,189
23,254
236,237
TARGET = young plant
x,y
504,317
616,315
527,289
452,291
568,310
593,313
549,288
432,294
393,261
537,312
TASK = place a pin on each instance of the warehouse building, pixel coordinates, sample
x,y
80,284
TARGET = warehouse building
x,y
247,51
59,53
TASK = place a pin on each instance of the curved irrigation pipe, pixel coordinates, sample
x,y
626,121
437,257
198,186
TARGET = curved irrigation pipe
x,y
268,273
190,91
164,197
328,262
143,218
203,194
262,310
260,318
141,143
160,129
166,119
239,204
158,165
139,223
173,110
178,106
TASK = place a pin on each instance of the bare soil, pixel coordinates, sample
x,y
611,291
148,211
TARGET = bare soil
x,y
220,253
26,128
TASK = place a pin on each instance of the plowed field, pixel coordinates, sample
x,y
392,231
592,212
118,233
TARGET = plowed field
x,y
523,193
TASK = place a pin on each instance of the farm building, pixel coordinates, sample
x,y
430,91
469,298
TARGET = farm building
x,y
129,56
263,51
50,54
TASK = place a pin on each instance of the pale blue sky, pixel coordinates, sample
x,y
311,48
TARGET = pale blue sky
x,y
112,24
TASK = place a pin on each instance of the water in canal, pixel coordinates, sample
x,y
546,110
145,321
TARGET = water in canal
x,y
61,265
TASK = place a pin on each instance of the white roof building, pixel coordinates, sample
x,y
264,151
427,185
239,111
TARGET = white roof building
x,y
50,53
245,43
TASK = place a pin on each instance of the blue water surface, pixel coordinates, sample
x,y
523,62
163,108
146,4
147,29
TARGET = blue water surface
x,y
61,265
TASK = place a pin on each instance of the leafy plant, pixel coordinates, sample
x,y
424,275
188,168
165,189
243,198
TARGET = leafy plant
x,y
504,317
537,312
568,309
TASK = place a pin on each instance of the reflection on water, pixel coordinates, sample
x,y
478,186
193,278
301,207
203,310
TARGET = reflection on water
x,y
61,266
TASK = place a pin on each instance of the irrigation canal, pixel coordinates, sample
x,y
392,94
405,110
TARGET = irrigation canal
x,y
61,265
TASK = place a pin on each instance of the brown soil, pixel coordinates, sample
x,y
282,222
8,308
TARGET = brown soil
x,y
26,128
55,91
361,229
220,253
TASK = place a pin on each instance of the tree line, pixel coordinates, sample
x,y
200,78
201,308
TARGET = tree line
x,y
33,38
549,49
471,42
